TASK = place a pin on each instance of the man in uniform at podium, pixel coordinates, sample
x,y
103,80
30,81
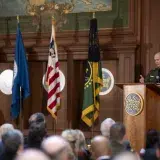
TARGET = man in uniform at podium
x,y
154,75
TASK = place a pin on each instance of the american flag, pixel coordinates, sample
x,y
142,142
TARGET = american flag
x,y
53,77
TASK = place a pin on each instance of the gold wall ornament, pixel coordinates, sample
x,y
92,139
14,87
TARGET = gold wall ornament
x,y
58,10
36,2
34,7
134,104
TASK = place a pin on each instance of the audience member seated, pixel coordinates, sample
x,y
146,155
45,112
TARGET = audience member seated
x,y
81,147
149,153
127,156
32,154
37,118
100,147
105,127
117,134
3,129
37,132
12,143
105,131
57,148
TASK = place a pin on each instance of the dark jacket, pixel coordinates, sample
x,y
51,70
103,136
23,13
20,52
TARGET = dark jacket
x,y
150,154
153,76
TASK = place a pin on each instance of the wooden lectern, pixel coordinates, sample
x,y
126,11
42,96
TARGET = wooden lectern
x,y
149,116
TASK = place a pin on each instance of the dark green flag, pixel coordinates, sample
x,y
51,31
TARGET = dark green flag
x,y
93,78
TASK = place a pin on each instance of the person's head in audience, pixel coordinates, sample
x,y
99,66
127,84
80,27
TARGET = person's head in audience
x,y
32,154
151,138
5,128
81,147
37,118
71,136
127,156
81,141
37,132
100,146
12,143
57,148
117,132
105,127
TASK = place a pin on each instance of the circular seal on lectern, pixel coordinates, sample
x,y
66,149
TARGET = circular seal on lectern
x,y
133,104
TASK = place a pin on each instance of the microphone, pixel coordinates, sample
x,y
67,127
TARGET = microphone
x,y
158,77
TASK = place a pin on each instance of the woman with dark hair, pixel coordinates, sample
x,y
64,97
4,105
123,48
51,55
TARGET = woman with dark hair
x,y
12,143
37,132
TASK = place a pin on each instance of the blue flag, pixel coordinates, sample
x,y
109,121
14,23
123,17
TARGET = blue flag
x,y
20,76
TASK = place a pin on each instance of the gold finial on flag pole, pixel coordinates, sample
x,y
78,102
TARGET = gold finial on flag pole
x,y
18,19
53,20
93,15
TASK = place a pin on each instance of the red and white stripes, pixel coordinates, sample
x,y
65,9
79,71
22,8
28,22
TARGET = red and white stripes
x,y
53,78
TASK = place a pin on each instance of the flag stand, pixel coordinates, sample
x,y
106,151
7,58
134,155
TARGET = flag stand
x,y
92,129
55,126
21,111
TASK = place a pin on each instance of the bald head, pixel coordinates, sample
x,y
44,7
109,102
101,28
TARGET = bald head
x,y
55,146
157,59
100,146
32,154
127,156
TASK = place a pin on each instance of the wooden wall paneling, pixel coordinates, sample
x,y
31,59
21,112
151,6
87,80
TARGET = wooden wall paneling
x,y
153,110
36,75
110,106
126,69
34,103
70,90
149,33
154,30
5,99
79,74
121,73
62,120
145,35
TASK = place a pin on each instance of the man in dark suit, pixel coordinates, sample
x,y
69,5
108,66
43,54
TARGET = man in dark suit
x,y
117,134
100,147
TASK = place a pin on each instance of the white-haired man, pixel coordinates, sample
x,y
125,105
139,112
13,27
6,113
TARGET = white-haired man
x,y
105,127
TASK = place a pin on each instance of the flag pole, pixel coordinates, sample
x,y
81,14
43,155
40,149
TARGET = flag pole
x,y
20,101
93,17
21,110
55,120
93,78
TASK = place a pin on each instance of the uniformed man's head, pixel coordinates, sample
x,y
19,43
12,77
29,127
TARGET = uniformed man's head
x,y
157,59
